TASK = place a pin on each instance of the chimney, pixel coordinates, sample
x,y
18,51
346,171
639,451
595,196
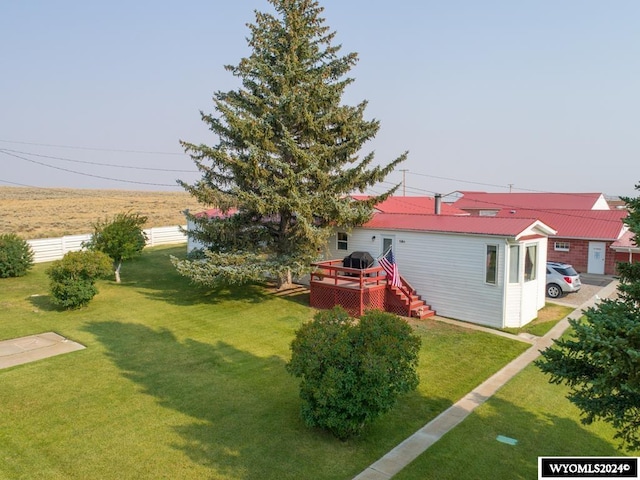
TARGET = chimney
x,y
438,203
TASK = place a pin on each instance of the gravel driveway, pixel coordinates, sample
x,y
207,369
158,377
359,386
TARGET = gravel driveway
x,y
591,285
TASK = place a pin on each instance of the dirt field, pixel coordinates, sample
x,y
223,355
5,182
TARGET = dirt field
x,y
54,212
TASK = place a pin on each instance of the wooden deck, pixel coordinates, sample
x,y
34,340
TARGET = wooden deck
x,y
359,290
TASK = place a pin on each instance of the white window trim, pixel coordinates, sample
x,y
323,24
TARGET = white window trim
x,y
486,267
561,248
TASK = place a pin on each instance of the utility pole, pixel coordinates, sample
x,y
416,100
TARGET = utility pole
x,y
404,181
510,187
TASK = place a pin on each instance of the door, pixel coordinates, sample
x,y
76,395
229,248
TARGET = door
x,y
387,243
597,252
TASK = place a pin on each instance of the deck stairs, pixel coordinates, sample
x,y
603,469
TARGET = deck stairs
x,y
417,307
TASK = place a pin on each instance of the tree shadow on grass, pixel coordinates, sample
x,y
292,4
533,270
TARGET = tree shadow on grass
x,y
245,408
297,294
155,277
44,303
226,391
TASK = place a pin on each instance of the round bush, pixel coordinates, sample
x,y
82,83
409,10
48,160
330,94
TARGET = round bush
x,y
16,256
73,293
73,278
352,372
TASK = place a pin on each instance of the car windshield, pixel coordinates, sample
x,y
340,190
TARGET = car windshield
x,y
567,271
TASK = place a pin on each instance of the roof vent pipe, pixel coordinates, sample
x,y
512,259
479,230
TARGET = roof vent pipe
x,y
438,203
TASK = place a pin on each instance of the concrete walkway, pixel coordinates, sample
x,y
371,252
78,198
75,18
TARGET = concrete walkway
x,y
403,454
34,347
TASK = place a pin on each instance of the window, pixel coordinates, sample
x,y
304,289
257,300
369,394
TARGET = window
x,y
343,241
530,262
561,246
514,264
491,271
488,213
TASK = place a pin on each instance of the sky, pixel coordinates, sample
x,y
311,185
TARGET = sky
x,y
523,96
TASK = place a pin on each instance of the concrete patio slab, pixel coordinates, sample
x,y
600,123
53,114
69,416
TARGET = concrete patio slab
x,y
18,351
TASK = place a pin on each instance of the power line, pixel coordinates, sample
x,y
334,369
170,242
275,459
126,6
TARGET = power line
x,y
98,163
405,187
93,148
457,180
511,186
87,174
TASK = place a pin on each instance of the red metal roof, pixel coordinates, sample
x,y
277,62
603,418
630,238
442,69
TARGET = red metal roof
x,y
504,227
533,201
216,213
626,242
583,224
422,205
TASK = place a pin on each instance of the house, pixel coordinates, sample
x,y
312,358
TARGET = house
x,y
626,249
489,204
586,227
485,270
583,238
192,243
411,204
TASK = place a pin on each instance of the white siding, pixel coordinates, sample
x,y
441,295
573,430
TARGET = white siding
x,y
601,204
524,299
513,305
447,270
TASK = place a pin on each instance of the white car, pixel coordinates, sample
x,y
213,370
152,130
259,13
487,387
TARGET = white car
x,y
561,278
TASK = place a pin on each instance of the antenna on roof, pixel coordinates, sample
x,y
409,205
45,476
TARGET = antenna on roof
x,y
404,183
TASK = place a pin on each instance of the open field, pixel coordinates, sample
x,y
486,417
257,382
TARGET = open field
x,y
179,381
54,212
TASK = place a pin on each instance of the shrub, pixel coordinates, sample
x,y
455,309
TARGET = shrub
x,y
122,238
352,371
73,278
16,256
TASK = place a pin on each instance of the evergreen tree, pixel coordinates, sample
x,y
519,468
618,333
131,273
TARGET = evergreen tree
x,y
601,361
287,156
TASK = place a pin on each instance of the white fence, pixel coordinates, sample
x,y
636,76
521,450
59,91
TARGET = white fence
x,y
49,249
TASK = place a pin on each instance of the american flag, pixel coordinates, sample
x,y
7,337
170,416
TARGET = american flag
x,y
388,263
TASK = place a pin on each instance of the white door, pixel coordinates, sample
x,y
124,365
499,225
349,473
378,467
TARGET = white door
x,y
597,252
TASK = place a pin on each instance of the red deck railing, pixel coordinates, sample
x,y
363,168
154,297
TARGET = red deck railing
x,y
355,289
334,272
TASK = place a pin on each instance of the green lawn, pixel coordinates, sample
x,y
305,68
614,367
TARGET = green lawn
x,y
527,409
184,382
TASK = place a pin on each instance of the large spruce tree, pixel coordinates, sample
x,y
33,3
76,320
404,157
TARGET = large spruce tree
x,y
601,361
287,155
